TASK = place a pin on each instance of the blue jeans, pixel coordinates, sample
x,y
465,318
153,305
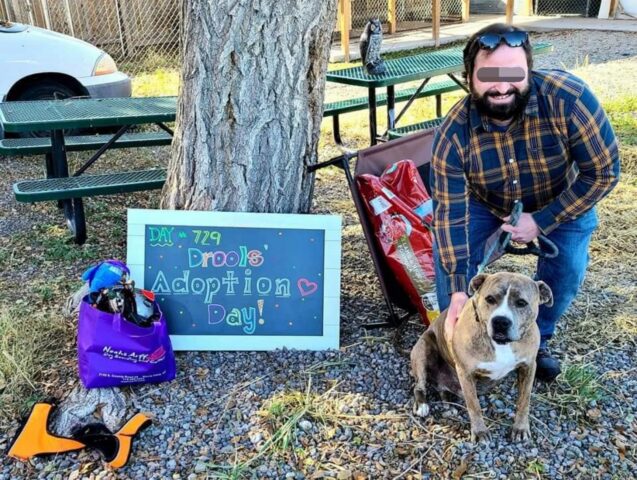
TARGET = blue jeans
x,y
564,274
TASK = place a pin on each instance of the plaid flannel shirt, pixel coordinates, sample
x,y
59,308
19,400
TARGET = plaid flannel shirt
x,y
559,158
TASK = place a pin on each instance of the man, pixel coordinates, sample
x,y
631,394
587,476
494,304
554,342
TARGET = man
x,y
536,137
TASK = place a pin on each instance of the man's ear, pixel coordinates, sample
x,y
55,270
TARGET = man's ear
x,y
476,282
546,295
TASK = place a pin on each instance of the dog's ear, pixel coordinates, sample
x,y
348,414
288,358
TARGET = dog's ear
x,y
546,295
476,282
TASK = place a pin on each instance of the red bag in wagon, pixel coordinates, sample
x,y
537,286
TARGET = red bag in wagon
x,y
399,208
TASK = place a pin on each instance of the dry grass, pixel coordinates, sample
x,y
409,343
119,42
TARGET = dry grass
x,y
288,419
31,343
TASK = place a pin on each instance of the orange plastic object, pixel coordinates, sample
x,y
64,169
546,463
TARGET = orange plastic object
x,y
125,439
34,437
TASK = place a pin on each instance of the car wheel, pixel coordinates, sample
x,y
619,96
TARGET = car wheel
x,y
46,90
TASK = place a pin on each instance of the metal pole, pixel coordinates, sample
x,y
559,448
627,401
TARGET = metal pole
x,y
372,115
30,12
69,19
391,107
120,30
45,10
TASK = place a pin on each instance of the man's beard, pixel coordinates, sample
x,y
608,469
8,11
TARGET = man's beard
x,y
504,111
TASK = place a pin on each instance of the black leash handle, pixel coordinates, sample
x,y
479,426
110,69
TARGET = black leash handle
x,y
533,248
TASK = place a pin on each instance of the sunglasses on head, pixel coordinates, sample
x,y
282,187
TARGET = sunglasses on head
x,y
513,39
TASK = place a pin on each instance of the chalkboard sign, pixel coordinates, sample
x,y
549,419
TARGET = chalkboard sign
x,y
240,281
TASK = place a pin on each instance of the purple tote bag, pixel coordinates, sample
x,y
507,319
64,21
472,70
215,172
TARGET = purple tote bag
x,y
113,352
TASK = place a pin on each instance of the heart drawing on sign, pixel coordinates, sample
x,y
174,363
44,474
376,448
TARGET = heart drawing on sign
x,y
306,287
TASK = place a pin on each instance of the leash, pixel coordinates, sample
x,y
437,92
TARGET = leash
x,y
504,243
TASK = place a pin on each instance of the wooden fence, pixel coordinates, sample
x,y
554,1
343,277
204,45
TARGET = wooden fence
x,y
344,23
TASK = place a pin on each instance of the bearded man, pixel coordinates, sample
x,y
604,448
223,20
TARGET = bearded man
x,y
539,137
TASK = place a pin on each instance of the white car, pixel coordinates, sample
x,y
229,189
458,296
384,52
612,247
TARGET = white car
x,y
39,64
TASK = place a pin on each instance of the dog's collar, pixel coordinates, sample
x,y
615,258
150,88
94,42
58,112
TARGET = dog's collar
x,y
475,310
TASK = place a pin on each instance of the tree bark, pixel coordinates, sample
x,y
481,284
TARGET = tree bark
x,y
250,104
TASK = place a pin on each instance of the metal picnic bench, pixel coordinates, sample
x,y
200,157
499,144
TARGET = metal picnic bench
x,y
56,116
334,109
424,67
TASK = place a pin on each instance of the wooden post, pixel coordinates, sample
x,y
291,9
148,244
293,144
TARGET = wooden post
x,y
391,16
4,11
509,12
345,20
465,10
435,11
613,9
527,8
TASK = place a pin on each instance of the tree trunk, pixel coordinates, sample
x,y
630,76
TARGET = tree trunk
x,y
250,104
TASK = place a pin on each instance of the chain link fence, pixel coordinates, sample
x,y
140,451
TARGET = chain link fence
x,y
144,35
585,8
410,14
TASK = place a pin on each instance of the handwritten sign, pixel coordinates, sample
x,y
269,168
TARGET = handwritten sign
x,y
237,281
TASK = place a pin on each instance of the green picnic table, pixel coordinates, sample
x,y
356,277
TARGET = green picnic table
x,y
58,117
424,66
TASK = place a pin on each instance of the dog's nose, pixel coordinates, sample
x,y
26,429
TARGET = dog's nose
x,y
501,324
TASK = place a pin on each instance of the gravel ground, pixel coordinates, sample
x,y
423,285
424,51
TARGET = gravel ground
x,y
358,423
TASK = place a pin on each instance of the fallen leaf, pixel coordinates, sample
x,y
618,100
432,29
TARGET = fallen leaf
x,y
621,447
462,469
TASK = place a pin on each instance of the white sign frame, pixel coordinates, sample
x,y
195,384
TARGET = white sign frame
x,y
330,224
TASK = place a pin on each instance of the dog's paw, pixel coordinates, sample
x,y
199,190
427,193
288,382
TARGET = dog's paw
x,y
421,409
520,434
480,436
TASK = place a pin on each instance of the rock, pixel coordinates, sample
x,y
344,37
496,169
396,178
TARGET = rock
x,y
255,438
200,467
305,425
82,406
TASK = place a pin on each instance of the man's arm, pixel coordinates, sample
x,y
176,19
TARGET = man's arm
x,y
449,195
593,147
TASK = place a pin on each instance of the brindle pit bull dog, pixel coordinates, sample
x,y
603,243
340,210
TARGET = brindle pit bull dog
x,y
496,333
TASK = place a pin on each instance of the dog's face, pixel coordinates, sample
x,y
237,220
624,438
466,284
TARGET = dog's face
x,y
508,303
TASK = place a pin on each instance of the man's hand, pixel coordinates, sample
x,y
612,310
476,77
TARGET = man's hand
x,y
458,299
525,231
